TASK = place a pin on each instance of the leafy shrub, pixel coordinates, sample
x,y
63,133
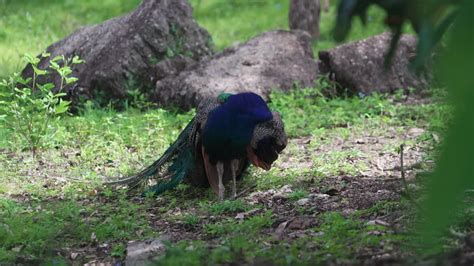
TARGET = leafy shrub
x,y
28,107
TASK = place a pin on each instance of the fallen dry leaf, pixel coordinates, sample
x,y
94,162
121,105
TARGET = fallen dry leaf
x,y
281,229
242,215
299,223
74,255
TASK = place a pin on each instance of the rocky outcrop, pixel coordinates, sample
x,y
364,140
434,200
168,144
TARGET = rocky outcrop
x,y
122,53
359,66
272,60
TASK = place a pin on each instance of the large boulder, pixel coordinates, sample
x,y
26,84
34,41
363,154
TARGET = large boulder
x,y
122,53
144,252
359,66
273,60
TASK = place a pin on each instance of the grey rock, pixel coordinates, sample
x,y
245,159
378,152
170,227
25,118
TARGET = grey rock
x,y
303,201
319,196
143,252
122,53
272,60
359,66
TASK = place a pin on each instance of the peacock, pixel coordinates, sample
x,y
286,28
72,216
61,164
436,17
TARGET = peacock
x,y
227,134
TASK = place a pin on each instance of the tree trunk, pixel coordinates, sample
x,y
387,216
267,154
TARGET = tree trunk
x,y
304,15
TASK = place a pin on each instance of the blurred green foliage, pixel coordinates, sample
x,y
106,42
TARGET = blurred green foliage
x,y
33,25
30,26
454,173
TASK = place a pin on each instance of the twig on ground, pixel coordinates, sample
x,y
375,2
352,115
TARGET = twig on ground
x,y
383,178
417,165
406,191
243,192
399,219
402,169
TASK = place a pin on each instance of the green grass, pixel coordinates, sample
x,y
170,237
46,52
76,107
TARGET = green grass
x,y
344,237
306,112
297,195
229,207
230,226
55,202
337,239
246,20
33,25
30,26
34,230
108,143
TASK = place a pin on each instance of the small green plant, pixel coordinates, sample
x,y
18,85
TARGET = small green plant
x,y
177,46
191,220
118,251
136,98
297,195
184,253
252,225
329,88
29,107
108,192
229,206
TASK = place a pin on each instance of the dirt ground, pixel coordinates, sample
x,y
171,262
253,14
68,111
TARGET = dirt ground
x,y
380,182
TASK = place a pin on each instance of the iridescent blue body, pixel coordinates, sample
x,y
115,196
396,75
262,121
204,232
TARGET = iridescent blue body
x,y
229,127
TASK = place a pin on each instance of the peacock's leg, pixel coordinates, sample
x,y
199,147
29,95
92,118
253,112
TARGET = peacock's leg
x,y
211,173
220,174
234,167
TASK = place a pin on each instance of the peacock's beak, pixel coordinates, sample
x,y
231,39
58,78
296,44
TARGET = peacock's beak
x,y
252,156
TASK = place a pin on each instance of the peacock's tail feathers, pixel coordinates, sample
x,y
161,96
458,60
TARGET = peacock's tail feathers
x,y
184,158
177,172
169,169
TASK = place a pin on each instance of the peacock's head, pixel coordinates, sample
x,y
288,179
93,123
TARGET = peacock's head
x,y
268,141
